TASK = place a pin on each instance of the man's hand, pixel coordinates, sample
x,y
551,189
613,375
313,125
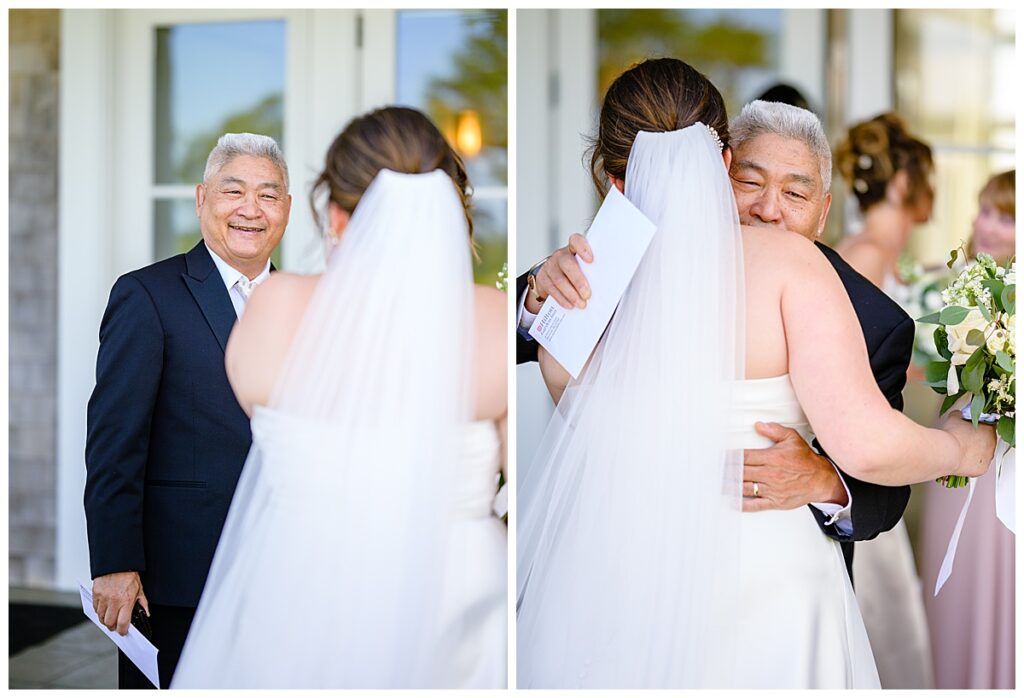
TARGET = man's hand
x,y
113,599
561,276
789,474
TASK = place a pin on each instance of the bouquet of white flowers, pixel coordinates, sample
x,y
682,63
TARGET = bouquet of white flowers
x,y
976,341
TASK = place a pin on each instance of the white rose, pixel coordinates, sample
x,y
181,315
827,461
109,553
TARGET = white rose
x,y
1011,277
996,340
957,335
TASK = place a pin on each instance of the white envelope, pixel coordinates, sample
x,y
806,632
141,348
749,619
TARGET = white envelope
x,y
619,236
135,645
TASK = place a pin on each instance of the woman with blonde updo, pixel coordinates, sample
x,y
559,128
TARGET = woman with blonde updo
x,y
889,172
361,549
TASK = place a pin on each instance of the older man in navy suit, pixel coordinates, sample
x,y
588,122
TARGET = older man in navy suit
x,y
166,437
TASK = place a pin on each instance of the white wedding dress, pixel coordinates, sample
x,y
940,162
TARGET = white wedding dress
x,y
800,625
258,643
475,599
637,567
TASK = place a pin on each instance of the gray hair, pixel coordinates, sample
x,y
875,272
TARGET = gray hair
x,y
231,145
759,118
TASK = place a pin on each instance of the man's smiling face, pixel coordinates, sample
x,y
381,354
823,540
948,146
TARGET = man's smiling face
x,y
778,184
243,211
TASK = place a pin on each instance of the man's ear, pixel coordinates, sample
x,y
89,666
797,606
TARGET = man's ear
x,y
200,197
727,157
824,213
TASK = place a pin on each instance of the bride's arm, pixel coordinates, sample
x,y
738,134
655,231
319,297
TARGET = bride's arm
x,y
829,368
555,377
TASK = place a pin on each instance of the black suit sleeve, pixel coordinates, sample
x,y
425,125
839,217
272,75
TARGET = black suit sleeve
x,y
877,508
128,369
525,351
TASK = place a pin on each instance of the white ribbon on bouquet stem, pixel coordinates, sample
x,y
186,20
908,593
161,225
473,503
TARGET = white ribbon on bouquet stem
x,y
1004,461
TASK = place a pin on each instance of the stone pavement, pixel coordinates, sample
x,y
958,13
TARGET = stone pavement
x,y
79,657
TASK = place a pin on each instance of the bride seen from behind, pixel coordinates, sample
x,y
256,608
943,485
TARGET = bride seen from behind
x,y
378,434
636,567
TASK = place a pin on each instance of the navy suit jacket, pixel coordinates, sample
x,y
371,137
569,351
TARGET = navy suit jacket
x,y
166,437
889,335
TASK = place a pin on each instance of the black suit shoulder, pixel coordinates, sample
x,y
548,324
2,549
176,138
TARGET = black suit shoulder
x,y
158,277
878,314
889,336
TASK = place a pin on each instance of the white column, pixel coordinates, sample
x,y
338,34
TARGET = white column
x,y
575,118
556,101
871,64
802,48
379,58
88,188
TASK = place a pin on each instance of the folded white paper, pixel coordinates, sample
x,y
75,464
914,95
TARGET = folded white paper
x,y
135,645
619,236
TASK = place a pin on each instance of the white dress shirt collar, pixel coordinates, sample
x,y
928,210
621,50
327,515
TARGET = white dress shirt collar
x,y
230,275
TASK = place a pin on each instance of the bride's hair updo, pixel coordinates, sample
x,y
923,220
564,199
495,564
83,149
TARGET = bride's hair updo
x,y
873,151
395,138
660,94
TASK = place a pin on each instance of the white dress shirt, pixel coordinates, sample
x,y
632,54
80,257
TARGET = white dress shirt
x,y
232,276
837,515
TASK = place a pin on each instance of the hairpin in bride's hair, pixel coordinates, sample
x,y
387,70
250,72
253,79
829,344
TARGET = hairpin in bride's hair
x,y
714,135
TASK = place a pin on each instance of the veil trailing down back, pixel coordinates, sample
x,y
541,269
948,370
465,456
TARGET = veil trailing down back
x,y
629,517
334,568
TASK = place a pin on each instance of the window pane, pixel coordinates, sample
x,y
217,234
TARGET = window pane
x,y
176,228
211,79
453,65
738,50
955,84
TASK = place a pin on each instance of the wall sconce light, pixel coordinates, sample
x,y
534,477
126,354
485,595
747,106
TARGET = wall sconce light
x,y
468,135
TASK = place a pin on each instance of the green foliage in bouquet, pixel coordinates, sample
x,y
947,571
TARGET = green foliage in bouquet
x,y
975,339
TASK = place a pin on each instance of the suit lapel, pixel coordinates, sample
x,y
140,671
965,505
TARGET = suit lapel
x,y
207,287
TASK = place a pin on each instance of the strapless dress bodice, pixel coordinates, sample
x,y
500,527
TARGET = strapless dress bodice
x,y
765,400
475,474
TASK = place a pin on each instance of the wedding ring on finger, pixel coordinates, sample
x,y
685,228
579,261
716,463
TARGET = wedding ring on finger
x,y
757,489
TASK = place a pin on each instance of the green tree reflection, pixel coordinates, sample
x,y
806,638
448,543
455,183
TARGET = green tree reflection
x,y
479,81
266,117
720,49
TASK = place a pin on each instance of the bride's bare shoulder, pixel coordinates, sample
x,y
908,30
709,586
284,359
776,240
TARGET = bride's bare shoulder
x,y
490,351
260,339
786,251
281,290
491,304
491,311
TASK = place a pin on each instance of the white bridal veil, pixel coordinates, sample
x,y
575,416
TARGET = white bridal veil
x,y
331,568
628,523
